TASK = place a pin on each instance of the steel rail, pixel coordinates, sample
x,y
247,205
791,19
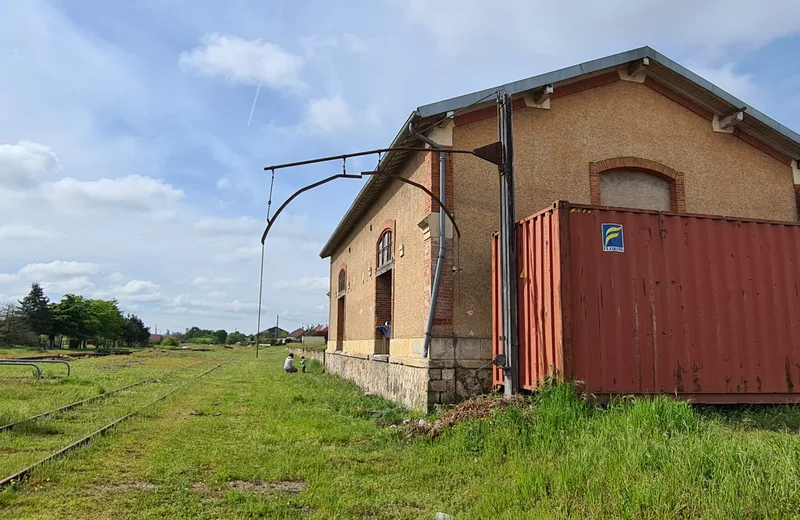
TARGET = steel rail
x,y
23,473
91,399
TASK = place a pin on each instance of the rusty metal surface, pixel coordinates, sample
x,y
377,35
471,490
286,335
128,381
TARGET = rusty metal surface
x,y
704,307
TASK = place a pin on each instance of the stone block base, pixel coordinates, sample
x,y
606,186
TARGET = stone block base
x,y
416,383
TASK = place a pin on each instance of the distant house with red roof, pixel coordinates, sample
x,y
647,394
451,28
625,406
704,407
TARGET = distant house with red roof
x,y
296,336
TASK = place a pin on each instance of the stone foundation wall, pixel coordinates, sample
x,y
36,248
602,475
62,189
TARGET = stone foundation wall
x,y
455,371
404,384
309,353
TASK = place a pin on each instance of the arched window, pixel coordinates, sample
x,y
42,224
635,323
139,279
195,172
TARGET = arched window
x,y
341,314
634,189
385,258
342,283
634,182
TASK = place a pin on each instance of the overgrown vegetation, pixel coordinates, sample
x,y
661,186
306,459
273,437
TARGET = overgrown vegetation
x,y
252,441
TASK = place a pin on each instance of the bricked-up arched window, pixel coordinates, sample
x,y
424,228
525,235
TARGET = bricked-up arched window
x,y
385,258
634,189
342,283
634,182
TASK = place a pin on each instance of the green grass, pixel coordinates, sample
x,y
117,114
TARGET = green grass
x,y
249,441
22,396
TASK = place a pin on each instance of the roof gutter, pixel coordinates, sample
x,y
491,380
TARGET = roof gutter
x,y
437,278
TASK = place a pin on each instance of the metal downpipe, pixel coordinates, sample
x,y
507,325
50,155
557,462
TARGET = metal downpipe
x,y
437,277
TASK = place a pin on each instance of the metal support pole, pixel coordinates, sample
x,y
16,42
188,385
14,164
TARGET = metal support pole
x,y
508,246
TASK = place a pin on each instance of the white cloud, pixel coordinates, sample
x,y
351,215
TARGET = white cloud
x,y
133,192
137,287
467,26
726,77
24,232
227,226
224,184
75,285
8,277
206,281
215,294
138,291
244,61
306,284
116,277
186,302
329,114
348,42
23,163
240,254
58,270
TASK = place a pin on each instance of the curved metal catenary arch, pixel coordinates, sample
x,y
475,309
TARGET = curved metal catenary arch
x,y
348,176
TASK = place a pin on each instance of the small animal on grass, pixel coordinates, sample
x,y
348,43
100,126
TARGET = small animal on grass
x,y
288,365
303,364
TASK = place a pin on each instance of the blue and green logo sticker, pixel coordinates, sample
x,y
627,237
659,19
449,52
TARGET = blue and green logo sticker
x,y
612,238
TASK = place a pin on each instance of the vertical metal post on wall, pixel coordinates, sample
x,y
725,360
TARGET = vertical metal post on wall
x,y
508,245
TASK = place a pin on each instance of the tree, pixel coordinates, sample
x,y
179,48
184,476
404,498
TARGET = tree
x,y
134,332
14,327
220,336
109,319
36,311
236,337
74,318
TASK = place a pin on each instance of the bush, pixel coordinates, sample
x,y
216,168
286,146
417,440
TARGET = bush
x,y
170,341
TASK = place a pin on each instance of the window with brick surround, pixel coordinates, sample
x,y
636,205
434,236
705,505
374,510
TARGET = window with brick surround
x,y
384,291
341,309
385,256
342,283
636,182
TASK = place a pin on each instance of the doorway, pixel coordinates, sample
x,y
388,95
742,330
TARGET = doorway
x,y
384,302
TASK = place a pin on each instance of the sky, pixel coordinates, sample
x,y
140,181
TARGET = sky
x,y
133,134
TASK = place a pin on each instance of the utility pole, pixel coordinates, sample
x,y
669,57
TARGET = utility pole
x,y
508,245
277,322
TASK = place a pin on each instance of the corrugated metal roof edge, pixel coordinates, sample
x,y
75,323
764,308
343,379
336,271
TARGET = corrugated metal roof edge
x,y
515,87
616,60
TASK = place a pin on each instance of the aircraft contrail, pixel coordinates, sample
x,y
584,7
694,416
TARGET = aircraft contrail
x,y
253,108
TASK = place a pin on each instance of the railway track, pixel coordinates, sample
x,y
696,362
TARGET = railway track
x,y
98,397
22,474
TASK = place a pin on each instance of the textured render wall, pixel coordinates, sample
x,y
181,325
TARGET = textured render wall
x,y
723,174
405,206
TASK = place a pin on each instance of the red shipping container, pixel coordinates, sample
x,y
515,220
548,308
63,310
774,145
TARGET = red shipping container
x,y
637,302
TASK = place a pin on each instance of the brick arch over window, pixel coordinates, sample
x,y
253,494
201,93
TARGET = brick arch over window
x,y
677,192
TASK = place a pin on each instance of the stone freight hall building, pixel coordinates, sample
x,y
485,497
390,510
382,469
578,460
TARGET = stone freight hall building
x,y
631,130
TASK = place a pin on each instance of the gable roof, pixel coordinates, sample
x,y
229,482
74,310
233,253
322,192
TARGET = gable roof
x,y
319,330
297,333
661,69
